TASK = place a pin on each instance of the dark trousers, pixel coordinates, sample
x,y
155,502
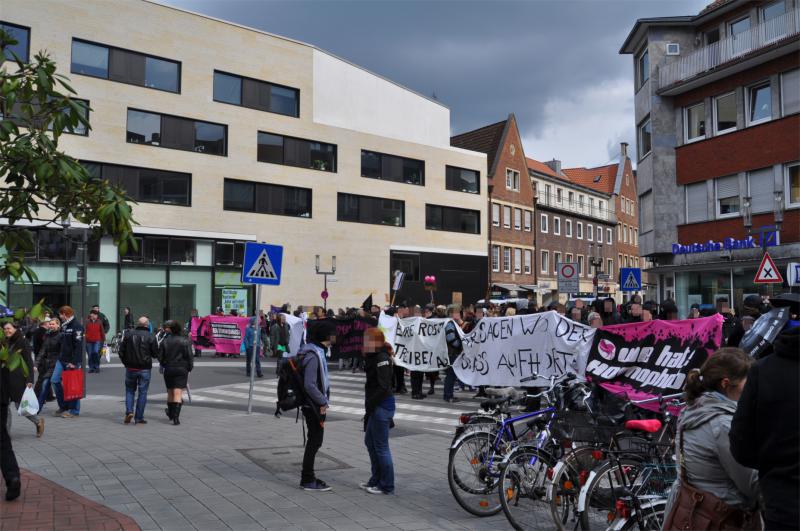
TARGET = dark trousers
x,y
416,382
8,461
449,383
399,378
314,442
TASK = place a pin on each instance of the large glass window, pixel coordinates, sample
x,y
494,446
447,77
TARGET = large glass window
x,y
176,132
144,291
462,180
644,138
266,198
146,185
727,189
725,113
255,94
290,151
790,92
374,210
22,35
116,64
392,168
695,122
452,219
759,100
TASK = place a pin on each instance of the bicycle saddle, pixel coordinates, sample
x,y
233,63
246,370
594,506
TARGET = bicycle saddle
x,y
492,403
648,425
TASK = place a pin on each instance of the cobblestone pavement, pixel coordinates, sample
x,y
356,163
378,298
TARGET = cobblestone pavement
x,y
223,469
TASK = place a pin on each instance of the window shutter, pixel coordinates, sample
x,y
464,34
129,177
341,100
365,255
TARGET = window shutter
x,y
762,190
178,132
790,91
697,202
728,187
126,67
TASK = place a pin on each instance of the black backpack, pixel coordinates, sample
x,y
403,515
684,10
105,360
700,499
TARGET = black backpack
x,y
291,391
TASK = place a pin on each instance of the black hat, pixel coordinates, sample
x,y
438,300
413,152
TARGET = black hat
x,y
752,301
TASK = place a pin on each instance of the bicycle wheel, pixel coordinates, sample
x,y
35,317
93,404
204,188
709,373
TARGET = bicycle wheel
x,y
606,485
569,475
651,517
523,488
472,473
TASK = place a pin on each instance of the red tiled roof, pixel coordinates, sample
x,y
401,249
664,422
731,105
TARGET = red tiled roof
x,y
714,5
541,167
484,140
600,178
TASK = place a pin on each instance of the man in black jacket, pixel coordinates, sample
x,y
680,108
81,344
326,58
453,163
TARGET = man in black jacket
x,y
70,357
136,352
765,432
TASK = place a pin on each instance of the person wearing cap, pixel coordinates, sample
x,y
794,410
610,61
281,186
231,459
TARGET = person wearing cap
x,y
765,431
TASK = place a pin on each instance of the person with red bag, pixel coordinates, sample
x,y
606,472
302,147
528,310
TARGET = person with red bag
x,y
69,358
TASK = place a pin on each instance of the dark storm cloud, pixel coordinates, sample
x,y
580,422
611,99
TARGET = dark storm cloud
x,y
554,64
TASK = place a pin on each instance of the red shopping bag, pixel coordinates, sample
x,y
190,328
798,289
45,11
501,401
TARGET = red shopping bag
x,y
72,382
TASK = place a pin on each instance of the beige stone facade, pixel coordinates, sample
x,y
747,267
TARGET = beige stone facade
x,y
340,104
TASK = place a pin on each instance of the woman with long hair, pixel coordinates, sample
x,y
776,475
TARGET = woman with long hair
x,y
702,444
380,406
177,360
15,340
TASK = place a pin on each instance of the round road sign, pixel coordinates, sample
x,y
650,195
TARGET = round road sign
x,y
568,270
324,295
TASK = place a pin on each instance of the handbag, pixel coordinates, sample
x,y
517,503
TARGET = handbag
x,y
697,510
72,383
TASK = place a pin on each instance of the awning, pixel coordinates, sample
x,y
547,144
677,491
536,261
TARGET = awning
x,y
507,287
529,287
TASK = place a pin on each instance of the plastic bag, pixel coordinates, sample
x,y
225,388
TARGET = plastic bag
x,y
106,352
72,382
29,405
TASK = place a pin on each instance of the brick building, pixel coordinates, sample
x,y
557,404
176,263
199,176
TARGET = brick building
x,y
510,207
717,97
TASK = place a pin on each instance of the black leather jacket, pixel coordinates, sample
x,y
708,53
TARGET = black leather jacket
x,y
138,348
378,366
176,352
48,354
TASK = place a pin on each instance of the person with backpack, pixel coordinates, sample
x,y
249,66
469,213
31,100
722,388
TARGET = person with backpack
x,y
317,390
379,405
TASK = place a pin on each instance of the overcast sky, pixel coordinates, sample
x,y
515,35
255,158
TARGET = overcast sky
x,y
554,64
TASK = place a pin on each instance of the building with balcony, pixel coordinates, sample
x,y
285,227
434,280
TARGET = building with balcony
x,y
575,223
224,134
511,267
717,112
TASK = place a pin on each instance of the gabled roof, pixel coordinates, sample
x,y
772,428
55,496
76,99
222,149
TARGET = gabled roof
x,y
541,167
602,178
486,139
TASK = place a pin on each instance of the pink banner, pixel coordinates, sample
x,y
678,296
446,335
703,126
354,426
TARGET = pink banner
x,y
652,358
224,333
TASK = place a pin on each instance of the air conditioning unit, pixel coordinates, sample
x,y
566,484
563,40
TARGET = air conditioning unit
x,y
673,48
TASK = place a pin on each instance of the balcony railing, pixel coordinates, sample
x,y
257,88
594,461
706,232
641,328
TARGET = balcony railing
x,y
731,48
575,206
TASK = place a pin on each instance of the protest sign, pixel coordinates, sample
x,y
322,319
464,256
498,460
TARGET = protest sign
x,y
420,344
227,332
652,357
349,336
234,299
511,351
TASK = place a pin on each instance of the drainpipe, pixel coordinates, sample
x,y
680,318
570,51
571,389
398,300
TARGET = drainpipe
x,y
489,243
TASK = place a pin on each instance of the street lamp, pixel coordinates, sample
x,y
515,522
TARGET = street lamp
x,y
325,274
597,263
80,237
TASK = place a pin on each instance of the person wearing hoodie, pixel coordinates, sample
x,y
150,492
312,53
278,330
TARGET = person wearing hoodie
x,y
379,405
249,343
317,387
765,432
711,396
46,362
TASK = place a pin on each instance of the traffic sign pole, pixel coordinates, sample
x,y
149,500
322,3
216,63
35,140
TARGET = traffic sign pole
x,y
256,339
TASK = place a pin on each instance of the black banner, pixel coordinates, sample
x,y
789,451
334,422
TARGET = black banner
x,y
349,336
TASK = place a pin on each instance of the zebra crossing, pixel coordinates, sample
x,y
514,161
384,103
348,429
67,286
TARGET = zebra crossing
x,y
347,400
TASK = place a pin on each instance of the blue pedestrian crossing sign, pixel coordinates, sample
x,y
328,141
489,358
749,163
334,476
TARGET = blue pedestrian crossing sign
x,y
630,279
262,263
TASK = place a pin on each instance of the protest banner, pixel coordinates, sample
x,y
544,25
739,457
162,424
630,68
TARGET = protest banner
x,y
420,344
296,332
349,336
511,351
227,332
654,357
388,325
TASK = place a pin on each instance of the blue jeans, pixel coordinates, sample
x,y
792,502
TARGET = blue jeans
x,y
136,380
43,393
449,383
376,439
93,354
258,360
71,406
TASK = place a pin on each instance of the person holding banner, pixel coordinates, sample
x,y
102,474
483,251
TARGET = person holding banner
x,y
379,405
454,347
